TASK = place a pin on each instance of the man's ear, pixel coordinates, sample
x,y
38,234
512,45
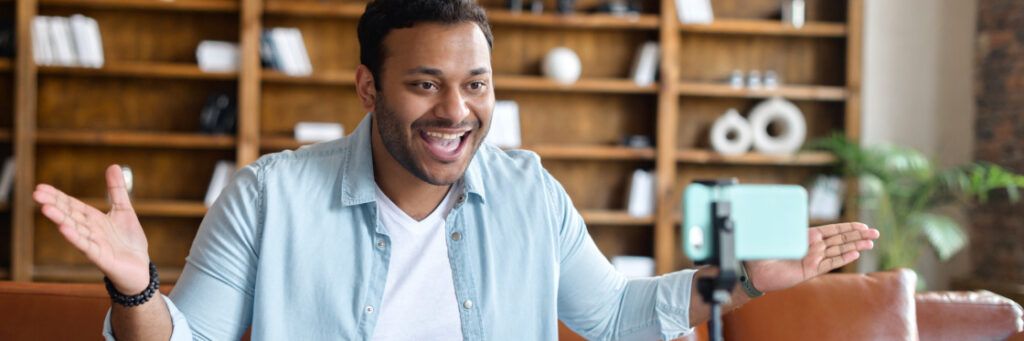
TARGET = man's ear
x,y
366,88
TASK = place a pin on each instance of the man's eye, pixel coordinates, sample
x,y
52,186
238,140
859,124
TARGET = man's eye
x,y
477,85
425,85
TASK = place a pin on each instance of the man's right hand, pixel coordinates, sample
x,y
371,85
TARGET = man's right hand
x,y
113,241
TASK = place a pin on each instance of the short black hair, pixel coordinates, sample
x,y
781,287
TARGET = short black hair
x,y
382,16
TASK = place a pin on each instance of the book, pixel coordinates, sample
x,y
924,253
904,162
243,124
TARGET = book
x,y
505,131
645,64
62,41
218,56
88,44
641,194
318,131
695,11
268,51
7,179
287,57
305,66
222,172
41,48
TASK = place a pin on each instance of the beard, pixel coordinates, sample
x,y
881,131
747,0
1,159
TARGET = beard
x,y
400,145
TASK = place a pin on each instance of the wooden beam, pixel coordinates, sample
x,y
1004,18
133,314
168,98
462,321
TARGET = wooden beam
x,y
665,161
23,225
249,82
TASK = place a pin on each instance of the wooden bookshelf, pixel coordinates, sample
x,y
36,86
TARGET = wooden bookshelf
x,y
769,28
5,273
136,139
573,21
806,158
88,273
142,107
593,85
792,92
140,70
155,5
157,208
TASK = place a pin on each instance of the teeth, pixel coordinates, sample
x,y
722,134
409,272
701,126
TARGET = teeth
x,y
444,136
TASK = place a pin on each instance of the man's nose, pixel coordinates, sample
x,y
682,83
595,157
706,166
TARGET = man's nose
x,y
453,106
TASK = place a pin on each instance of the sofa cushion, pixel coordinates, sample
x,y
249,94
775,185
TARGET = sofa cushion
x,y
876,306
961,315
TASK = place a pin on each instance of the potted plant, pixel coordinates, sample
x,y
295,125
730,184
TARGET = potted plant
x,y
901,190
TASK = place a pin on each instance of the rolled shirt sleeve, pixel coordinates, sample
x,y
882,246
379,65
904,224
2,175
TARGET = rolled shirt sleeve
x,y
181,331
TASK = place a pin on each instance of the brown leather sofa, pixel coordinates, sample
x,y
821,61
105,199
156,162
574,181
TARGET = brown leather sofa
x,y
877,306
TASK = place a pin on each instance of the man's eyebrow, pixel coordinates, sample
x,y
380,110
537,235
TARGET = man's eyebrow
x,y
479,71
425,70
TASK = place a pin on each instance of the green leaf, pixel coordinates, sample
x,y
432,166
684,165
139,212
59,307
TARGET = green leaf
x,y
944,234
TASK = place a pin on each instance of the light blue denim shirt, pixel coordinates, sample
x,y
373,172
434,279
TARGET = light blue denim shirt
x,y
295,248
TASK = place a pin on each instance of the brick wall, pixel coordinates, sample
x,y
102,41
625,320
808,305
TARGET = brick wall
x,y
997,231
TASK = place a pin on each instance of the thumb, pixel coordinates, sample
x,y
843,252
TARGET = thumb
x,y
117,189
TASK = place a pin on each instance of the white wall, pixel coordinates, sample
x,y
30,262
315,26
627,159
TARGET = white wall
x,y
918,89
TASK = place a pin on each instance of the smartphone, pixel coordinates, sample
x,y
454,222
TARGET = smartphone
x,y
770,220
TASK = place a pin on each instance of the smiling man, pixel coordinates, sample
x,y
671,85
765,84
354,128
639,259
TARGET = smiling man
x,y
407,229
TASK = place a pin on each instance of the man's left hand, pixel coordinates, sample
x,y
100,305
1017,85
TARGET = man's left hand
x,y
830,247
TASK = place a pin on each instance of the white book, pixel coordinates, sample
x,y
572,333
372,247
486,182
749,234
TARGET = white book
x,y
62,41
222,172
7,180
87,41
218,56
505,131
303,55
645,64
41,47
288,57
695,11
641,194
318,131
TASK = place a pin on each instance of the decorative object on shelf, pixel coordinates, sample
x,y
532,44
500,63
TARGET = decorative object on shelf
x,y
7,38
825,198
515,6
566,7
67,41
7,180
284,49
562,65
645,64
637,141
754,80
222,172
619,8
787,118
129,181
731,134
537,6
217,56
771,80
794,12
504,132
219,115
306,132
695,11
736,79
641,194
902,191
634,266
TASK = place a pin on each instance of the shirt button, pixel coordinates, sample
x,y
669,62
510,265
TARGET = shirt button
x,y
462,197
380,244
369,309
467,304
456,236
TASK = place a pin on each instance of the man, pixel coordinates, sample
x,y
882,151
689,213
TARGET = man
x,y
407,229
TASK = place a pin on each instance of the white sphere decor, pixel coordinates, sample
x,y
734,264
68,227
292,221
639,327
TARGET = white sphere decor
x,y
562,65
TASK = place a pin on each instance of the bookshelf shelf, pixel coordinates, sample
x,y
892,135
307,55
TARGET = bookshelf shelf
x,y
89,273
140,70
157,208
318,77
158,5
768,28
592,85
585,152
136,139
794,92
314,9
611,217
577,21
807,158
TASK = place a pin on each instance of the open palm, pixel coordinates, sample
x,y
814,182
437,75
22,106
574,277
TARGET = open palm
x,y
829,247
113,241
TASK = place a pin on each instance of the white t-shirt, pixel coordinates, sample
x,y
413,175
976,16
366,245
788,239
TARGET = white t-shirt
x,y
419,295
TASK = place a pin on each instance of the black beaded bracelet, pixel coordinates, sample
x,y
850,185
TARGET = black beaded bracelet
x,y
143,297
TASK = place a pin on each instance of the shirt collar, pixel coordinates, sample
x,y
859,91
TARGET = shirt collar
x,y
357,182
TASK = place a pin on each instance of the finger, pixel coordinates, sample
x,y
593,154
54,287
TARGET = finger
x,y
859,245
830,263
828,231
117,189
46,194
849,237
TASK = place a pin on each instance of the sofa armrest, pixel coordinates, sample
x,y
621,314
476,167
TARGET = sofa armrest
x,y
966,315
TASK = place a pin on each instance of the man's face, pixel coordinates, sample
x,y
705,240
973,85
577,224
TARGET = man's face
x,y
435,100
